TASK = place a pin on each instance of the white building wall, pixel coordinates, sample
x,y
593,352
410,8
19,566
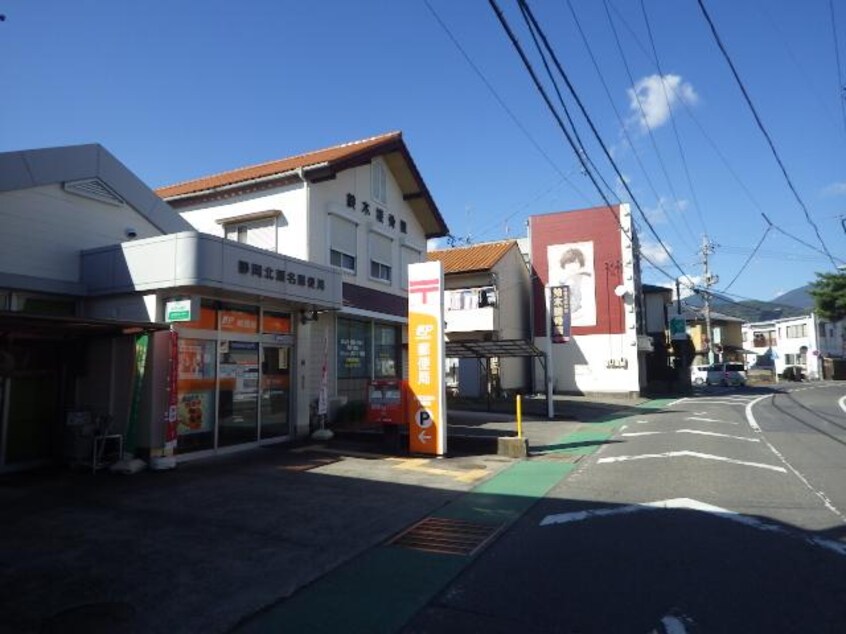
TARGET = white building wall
x,y
330,197
45,228
576,368
514,292
291,226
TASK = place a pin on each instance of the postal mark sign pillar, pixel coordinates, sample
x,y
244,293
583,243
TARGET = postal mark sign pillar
x,y
427,397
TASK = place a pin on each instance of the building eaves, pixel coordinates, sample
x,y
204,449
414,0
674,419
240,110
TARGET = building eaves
x,y
317,166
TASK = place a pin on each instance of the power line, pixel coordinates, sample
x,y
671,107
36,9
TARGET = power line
x,y
527,12
749,259
643,116
796,239
672,117
763,129
623,128
539,87
502,103
567,114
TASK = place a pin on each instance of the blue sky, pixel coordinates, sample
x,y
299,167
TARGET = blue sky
x,y
183,89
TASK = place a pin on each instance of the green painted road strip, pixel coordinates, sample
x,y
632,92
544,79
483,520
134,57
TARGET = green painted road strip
x,y
382,589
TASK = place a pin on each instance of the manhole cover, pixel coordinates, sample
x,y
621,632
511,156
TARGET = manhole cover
x,y
448,536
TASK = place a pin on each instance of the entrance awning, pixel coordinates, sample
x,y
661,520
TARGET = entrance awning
x,y
70,327
490,349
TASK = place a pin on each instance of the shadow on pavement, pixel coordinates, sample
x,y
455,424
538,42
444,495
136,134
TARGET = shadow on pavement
x,y
274,537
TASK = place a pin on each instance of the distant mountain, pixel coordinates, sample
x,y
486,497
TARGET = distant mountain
x,y
798,297
748,310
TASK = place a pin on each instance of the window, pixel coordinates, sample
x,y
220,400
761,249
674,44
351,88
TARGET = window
x,y
256,233
353,349
795,359
379,182
763,339
821,329
342,260
386,351
342,240
379,271
795,332
381,257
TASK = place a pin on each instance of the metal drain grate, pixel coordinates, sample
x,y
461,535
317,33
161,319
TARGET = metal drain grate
x,y
448,536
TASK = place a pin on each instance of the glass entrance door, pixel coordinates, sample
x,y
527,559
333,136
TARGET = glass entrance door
x,y
238,389
275,391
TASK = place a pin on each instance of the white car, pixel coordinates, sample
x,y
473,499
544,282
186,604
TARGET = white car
x,y
699,374
726,374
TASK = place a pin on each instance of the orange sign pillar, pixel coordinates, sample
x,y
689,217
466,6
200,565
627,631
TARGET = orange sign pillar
x,y
426,363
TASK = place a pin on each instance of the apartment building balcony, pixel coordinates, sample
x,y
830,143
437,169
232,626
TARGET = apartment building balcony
x,y
471,310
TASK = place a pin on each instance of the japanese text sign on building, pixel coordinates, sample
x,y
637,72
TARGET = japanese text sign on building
x,y
559,313
427,398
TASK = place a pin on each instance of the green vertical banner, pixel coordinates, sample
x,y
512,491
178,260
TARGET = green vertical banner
x,y
142,343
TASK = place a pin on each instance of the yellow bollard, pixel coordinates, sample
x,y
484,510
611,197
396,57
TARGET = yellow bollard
x,y
519,417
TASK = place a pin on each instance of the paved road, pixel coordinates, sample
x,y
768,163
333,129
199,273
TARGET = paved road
x,y
720,513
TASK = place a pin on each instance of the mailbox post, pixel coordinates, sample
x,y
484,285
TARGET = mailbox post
x,y
386,406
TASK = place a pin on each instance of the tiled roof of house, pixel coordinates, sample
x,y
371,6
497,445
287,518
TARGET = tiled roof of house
x,y
478,257
321,165
242,174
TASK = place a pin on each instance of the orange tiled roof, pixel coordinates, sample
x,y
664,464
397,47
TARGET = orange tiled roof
x,y
336,153
479,257
323,164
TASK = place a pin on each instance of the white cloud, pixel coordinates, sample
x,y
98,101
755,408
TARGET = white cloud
x,y
655,101
434,244
665,205
655,252
835,189
685,283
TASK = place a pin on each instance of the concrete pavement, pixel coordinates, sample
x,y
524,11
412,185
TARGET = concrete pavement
x,y
244,540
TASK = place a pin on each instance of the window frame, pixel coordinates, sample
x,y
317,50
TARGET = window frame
x,y
381,265
379,182
342,255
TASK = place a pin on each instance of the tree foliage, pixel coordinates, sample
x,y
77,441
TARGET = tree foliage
x,y
829,293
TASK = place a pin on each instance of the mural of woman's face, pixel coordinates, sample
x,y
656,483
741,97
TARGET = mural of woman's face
x,y
572,267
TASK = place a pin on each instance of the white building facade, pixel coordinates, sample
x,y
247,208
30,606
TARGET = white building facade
x,y
486,299
362,209
803,341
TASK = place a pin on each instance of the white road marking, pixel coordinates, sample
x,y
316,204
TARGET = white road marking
x,y
723,401
750,418
691,454
624,427
693,505
842,403
676,402
634,434
643,422
713,433
710,420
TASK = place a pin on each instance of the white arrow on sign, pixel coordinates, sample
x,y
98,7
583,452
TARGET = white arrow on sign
x,y
423,437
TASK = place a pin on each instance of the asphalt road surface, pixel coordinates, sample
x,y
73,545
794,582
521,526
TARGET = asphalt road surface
x,y
723,512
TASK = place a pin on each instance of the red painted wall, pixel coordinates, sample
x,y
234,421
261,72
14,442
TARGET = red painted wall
x,y
600,226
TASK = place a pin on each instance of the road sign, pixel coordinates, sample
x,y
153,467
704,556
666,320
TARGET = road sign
x,y
678,329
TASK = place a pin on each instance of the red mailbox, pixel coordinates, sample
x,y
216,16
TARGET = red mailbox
x,y
386,401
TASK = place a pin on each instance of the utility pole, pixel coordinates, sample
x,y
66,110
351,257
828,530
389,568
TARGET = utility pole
x,y
709,280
